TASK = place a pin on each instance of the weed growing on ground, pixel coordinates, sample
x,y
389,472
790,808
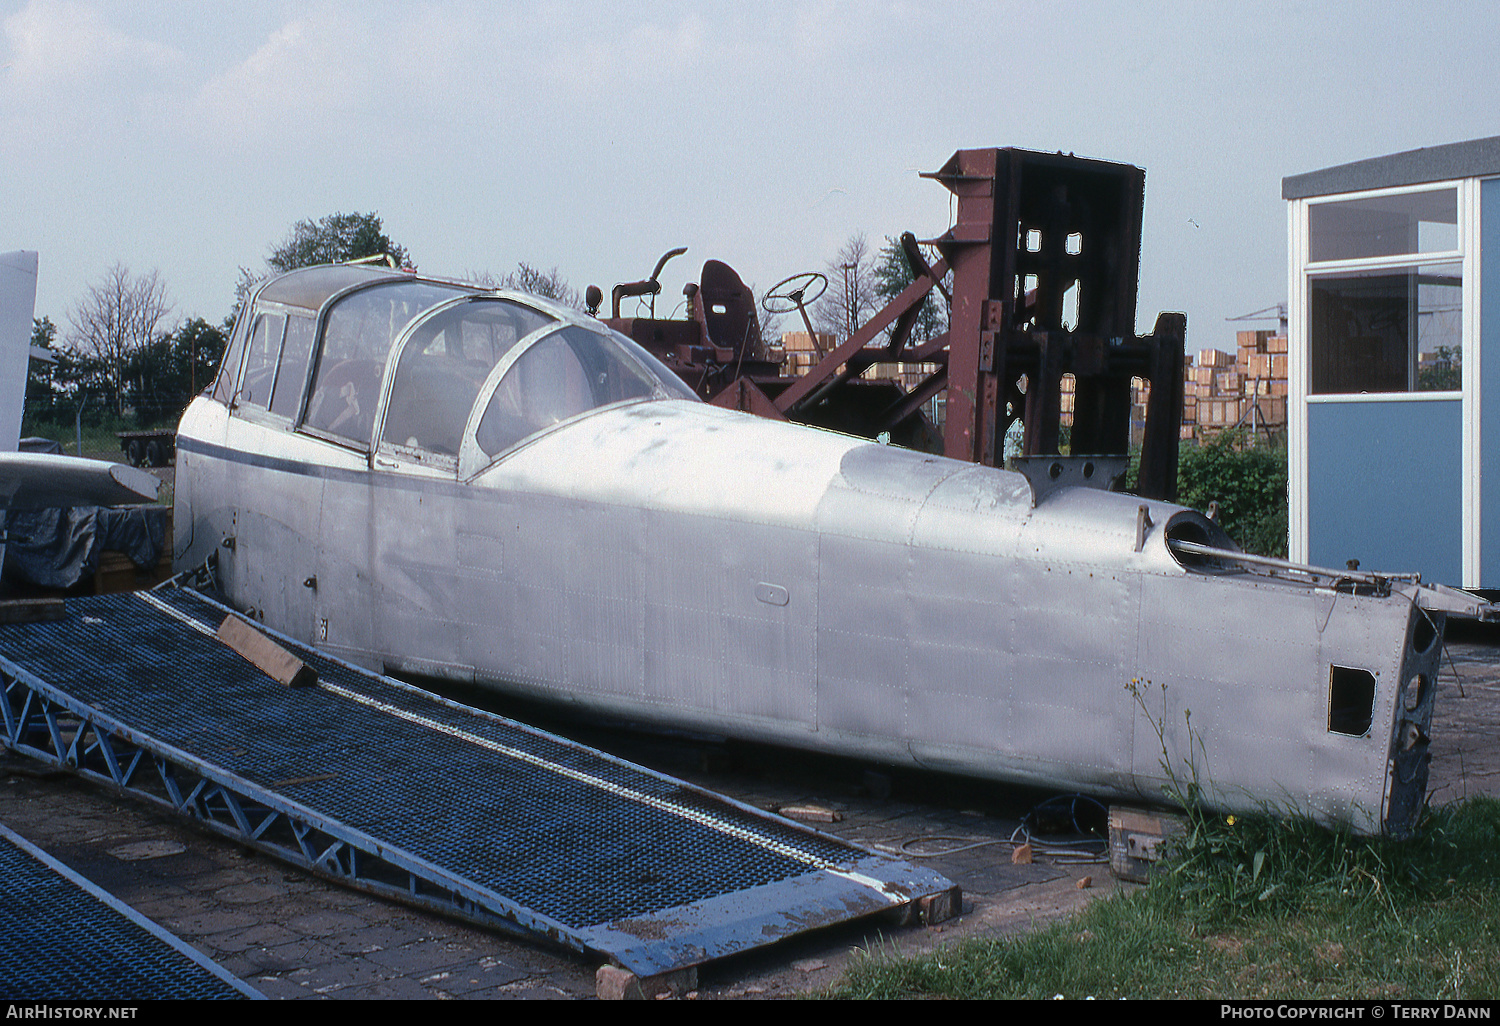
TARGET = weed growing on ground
x,y
1260,907
1252,906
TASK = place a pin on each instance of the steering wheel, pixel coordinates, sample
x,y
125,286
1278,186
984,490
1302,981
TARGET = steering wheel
x,y
794,292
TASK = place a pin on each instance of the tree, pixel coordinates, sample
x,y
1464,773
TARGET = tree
x,y
331,240
548,284
1444,373
118,316
852,295
84,382
525,278
893,273
335,239
163,377
43,331
39,373
197,350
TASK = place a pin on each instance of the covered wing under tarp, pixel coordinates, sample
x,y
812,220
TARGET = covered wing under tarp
x,y
57,548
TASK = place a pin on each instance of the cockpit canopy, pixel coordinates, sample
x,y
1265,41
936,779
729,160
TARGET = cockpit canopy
x,y
435,372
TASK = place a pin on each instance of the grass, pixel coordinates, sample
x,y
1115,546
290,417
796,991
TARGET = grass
x,y
1254,907
99,441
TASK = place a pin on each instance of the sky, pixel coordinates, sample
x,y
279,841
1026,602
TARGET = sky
x,y
187,138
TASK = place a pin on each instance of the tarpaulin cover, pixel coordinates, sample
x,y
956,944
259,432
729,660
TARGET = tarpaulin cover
x,y
57,548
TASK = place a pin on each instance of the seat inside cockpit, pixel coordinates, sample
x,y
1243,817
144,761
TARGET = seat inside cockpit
x,y
443,366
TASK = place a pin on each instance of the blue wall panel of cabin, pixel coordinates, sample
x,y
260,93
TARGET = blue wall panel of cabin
x,y
1385,486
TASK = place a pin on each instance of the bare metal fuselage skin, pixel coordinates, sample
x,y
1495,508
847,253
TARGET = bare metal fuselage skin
x,y
676,563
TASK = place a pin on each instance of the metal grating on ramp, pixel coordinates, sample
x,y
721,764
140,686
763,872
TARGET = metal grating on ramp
x,y
401,792
63,939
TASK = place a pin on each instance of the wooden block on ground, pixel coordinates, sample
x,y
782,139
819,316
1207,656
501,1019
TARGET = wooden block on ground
x,y
811,813
611,983
1138,838
270,657
942,906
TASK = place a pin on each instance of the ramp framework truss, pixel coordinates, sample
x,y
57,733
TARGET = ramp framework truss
x,y
47,725
453,809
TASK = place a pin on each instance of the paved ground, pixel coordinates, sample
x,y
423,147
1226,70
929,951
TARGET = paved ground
x,y
1466,720
295,936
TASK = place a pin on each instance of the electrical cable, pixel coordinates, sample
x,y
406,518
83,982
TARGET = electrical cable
x,y
1081,850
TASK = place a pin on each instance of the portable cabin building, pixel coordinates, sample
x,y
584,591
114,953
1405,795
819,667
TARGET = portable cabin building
x,y
1393,390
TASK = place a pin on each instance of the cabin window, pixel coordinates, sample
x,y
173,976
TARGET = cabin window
x,y
260,359
443,366
360,330
230,367
295,352
1385,293
1396,330
560,376
1383,226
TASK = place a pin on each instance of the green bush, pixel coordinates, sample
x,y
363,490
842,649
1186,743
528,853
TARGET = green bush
x,y
1248,481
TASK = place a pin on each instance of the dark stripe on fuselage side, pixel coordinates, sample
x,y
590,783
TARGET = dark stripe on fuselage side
x,y
341,475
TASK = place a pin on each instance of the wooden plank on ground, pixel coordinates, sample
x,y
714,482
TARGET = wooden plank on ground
x,y
270,657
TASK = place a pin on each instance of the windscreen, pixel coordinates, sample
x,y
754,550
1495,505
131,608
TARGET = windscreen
x,y
563,375
443,366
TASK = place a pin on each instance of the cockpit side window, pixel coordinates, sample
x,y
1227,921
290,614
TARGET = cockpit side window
x,y
260,360
357,338
444,364
229,370
295,352
567,373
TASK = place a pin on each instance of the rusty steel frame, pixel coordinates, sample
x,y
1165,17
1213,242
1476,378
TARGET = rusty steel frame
x,y
1029,228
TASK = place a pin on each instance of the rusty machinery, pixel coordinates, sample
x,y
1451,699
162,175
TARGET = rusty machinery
x,y
718,343
1045,259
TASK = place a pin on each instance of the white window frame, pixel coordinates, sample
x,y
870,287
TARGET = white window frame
x,y
1301,272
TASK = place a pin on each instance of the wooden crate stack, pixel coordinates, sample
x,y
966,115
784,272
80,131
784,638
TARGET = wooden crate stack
x,y
1140,394
1218,391
1218,387
801,354
911,375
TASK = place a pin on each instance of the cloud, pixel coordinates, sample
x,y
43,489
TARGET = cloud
x,y
481,67
58,46
608,58
650,50
314,66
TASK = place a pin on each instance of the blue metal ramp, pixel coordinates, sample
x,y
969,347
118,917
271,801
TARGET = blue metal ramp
x,y
63,939
403,793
